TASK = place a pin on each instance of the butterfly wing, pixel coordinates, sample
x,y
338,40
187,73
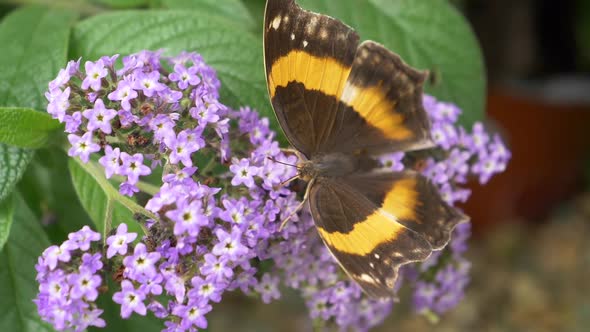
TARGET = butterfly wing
x,y
385,95
375,222
331,94
308,58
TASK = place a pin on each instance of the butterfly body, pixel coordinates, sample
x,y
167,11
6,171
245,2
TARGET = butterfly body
x,y
341,103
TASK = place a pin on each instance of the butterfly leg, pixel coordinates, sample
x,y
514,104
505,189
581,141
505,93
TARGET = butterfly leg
x,y
305,197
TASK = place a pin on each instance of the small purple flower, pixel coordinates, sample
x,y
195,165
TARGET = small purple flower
x,y
73,122
244,173
59,102
91,262
206,289
95,72
133,167
182,149
268,288
148,83
216,267
184,76
111,161
124,94
82,146
480,137
82,238
99,117
118,243
229,244
188,217
130,299
84,285
142,264
393,161
192,314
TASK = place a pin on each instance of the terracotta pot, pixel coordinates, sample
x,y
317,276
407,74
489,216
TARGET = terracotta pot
x,y
550,144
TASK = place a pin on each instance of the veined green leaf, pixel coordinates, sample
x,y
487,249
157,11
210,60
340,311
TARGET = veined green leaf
x,y
17,273
27,128
103,202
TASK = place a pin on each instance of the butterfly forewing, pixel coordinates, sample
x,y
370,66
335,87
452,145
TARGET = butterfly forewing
x,y
308,58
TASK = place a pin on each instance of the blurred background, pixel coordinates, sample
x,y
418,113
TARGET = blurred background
x,y
531,244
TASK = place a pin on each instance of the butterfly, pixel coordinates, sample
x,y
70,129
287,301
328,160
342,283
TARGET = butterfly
x,y
340,103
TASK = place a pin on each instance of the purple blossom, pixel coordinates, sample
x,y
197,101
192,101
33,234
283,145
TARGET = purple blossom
x,y
133,167
124,93
216,267
84,285
82,238
73,122
111,161
58,103
99,117
184,76
148,83
82,146
268,288
95,72
130,299
118,243
142,264
192,314
229,244
243,172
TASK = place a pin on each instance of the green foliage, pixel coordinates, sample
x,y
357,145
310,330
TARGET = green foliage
x,y
63,194
17,273
106,207
27,128
427,34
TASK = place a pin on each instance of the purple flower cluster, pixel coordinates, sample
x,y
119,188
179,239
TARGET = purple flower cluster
x,y
221,202
137,108
69,282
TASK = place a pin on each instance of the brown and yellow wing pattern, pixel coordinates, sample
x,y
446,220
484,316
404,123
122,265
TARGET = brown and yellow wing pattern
x,y
375,222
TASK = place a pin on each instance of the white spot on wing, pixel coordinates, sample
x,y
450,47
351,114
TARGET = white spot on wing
x,y
304,43
349,93
377,256
292,36
372,265
367,278
276,22
323,34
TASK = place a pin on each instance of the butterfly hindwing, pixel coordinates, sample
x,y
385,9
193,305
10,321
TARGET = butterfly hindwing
x,y
308,58
412,200
369,243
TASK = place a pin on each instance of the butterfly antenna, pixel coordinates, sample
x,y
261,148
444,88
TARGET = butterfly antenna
x,y
280,162
284,223
284,183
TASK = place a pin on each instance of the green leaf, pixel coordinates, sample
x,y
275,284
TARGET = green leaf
x,y
105,206
48,190
6,216
13,163
427,34
233,10
123,4
27,128
17,273
235,54
34,47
